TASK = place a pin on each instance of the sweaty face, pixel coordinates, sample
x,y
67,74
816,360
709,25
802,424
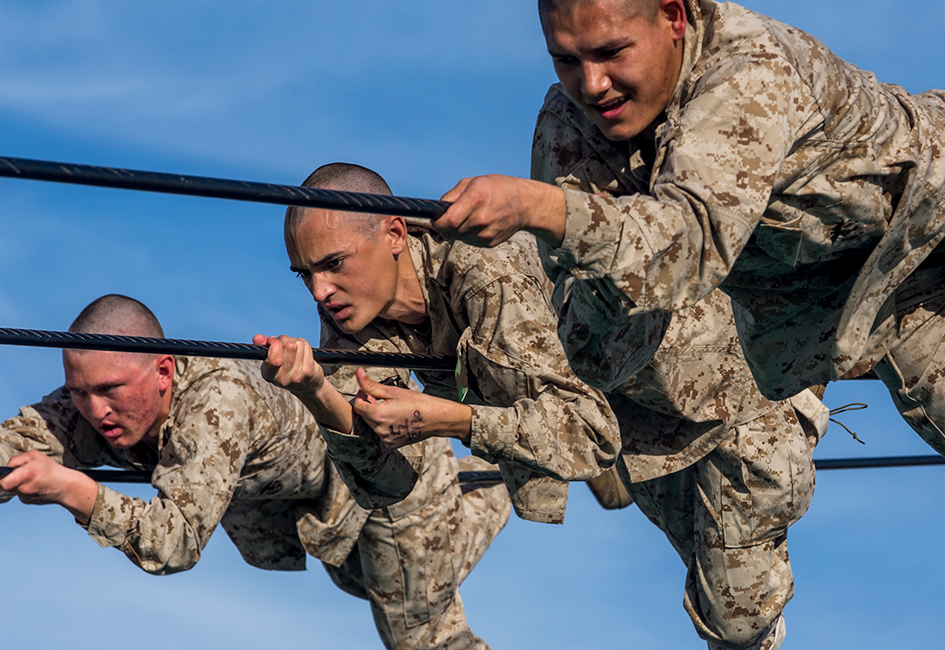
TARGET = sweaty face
x,y
119,394
353,277
619,68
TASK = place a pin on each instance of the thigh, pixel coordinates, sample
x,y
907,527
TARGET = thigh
x,y
486,510
758,482
670,503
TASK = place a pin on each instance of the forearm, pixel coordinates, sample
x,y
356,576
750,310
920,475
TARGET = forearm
x,y
79,496
545,210
329,407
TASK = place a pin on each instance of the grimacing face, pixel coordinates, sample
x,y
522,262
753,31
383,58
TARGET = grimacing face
x,y
621,69
352,277
123,396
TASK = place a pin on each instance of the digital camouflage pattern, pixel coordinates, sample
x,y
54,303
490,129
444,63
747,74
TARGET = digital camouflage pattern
x,y
530,414
727,516
799,184
239,452
720,469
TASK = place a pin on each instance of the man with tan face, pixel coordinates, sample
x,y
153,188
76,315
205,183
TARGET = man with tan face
x,y
226,447
384,284
809,192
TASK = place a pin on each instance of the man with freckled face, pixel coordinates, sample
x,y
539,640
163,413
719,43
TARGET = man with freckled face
x,y
227,448
388,285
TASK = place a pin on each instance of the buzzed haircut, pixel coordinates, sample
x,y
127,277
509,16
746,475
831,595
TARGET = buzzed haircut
x,y
348,178
648,8
117,315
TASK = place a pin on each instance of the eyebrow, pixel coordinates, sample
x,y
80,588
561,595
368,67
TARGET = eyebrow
x,y
322,261
612,44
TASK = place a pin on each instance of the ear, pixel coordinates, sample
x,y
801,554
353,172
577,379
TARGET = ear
x,y
165,368
673,12
397,231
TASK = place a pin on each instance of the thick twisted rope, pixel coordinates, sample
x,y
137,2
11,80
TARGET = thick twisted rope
x,y
493,478
150,345
219,188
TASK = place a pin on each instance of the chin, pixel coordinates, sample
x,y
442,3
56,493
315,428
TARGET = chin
x,y
348,327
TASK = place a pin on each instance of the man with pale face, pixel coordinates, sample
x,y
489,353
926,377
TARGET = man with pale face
x,y
225,447
383,284
809,192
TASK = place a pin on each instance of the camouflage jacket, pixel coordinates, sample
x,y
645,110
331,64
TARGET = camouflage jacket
x,y
530,414
677,381
234,450
796,182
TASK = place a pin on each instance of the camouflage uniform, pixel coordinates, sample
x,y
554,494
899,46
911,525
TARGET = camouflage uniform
x,y
530,414
239,452
720,469
800,185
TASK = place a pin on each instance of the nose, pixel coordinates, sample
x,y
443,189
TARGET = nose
x,y
321,288
98,408
595,80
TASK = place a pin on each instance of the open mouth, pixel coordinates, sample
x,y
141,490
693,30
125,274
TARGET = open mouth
x,y
338,312
110,430
610,109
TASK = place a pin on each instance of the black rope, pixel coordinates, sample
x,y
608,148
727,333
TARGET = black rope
x,y
493,478
150,345
104,475
219,188
878,462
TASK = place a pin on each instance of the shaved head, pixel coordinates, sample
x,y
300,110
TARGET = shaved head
x,y
347,178
117,315
632,8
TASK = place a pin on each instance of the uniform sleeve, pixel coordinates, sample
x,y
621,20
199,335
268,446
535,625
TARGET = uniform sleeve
x,y
197,474
717,161
539,413
376,475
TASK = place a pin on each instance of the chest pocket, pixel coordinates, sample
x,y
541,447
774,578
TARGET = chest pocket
x,y
833,197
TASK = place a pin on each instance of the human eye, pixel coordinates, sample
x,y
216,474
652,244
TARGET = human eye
x,y
303,274
333,265
564,59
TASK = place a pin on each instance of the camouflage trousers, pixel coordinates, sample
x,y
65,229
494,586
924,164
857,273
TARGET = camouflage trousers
x,y
412,556
913,368
727,516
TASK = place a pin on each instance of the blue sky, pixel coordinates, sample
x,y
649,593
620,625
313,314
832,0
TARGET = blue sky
x,y
426,93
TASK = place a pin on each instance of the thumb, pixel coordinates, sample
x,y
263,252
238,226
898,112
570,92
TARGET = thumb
x,y
371,387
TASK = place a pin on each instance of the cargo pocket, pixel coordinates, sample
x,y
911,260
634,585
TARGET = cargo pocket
x,y
766,478
424,547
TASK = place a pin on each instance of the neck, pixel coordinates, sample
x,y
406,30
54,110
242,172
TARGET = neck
x,y
152,438
408,305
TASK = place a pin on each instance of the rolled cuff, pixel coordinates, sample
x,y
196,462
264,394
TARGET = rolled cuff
x,y
493,434
375,475
112,517
589,239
